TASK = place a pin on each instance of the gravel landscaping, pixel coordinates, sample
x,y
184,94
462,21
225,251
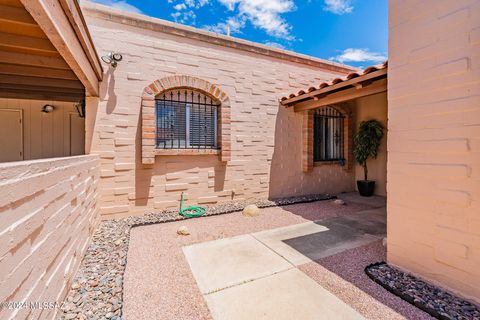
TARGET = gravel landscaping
x,y
437,302
158,282
343,274
96,291
156,259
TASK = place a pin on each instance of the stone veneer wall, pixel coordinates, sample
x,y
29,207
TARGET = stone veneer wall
x,y
433,169
265,158
48,212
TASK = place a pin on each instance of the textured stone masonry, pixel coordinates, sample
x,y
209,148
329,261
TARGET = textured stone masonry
x,y
261,142
49,212
433,170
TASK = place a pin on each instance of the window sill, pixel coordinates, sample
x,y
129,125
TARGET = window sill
x,y
186,152
327,163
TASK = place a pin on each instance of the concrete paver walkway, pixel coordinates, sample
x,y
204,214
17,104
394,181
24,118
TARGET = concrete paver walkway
x,y
227,262
285,295
254,276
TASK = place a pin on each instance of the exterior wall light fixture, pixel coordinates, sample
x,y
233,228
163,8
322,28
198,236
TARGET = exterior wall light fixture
x,y
112,58
80,106
47,108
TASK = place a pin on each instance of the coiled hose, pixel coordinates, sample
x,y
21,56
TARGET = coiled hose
x,y
192,211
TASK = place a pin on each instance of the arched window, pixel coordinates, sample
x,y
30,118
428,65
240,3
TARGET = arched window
x,y
186,119
328,135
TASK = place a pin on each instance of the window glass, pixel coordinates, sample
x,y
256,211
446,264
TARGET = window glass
x,y
328,132
186,119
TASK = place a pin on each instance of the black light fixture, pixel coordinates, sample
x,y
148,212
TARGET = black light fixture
x,y
47,108
80,106
112,58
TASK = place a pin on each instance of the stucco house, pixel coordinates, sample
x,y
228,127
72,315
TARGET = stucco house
x,y
222,119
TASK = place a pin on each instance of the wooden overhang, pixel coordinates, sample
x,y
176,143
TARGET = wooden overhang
x,y
371,81
46,51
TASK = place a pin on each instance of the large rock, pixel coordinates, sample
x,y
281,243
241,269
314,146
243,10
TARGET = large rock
x,y
251,210
183,231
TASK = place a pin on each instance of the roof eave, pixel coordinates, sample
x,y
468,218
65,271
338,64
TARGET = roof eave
x,y
369,75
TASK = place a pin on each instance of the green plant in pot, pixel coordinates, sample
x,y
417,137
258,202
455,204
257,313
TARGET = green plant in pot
x,y
366,144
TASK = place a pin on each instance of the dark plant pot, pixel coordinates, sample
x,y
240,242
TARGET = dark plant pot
x,y
366,187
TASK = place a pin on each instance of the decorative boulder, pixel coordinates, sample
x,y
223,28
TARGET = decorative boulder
x,y
339,202
183,231
251,210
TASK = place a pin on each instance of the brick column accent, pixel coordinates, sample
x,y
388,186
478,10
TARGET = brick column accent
x,y
148,126
307,154
184,82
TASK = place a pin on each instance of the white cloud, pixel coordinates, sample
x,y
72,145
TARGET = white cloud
x,y
184,17
338,6
264,14
180,6
119,4
184,10
359,55
236,25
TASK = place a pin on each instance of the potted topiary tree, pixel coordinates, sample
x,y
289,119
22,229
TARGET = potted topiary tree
x,y
366,143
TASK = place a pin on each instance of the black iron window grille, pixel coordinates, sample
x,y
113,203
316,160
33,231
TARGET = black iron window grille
x,y
186,119
328,135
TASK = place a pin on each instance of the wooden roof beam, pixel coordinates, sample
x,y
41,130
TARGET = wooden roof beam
x,y
41,95
352,82
16,15
41,72
25,59
36,81
343,96
40,88
80,26
52,19
15,41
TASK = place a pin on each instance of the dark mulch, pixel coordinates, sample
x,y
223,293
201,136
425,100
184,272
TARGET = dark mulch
x,y
431,299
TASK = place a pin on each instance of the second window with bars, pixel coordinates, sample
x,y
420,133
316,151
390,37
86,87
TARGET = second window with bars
x,y
186,119
328,135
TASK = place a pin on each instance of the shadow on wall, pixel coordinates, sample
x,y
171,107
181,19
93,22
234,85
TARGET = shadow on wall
x,y
286,158
286,172
90,121
108,90
169,176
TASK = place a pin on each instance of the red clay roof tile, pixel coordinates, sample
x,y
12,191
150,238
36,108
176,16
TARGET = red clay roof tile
x,y
339,80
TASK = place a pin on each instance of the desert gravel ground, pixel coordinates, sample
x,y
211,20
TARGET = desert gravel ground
x,y
343,275
158,283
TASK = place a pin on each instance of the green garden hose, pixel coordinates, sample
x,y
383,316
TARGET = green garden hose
x,y
192,211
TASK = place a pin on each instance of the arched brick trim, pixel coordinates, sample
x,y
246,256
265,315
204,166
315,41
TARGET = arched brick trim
x,y
307,155
187,82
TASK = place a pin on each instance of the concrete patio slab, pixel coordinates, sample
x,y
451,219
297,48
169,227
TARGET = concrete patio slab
x,y
274,240
372,221
302,243
355,197
336,239
223,263
286,295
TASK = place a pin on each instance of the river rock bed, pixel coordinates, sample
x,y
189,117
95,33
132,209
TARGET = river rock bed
x,y
96,291
431,299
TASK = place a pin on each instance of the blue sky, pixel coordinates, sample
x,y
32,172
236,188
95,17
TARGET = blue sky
x,y
354,32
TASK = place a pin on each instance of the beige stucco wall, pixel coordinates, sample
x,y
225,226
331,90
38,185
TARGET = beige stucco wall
x,y
434,141
368,108
48,212
266,139
59,133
